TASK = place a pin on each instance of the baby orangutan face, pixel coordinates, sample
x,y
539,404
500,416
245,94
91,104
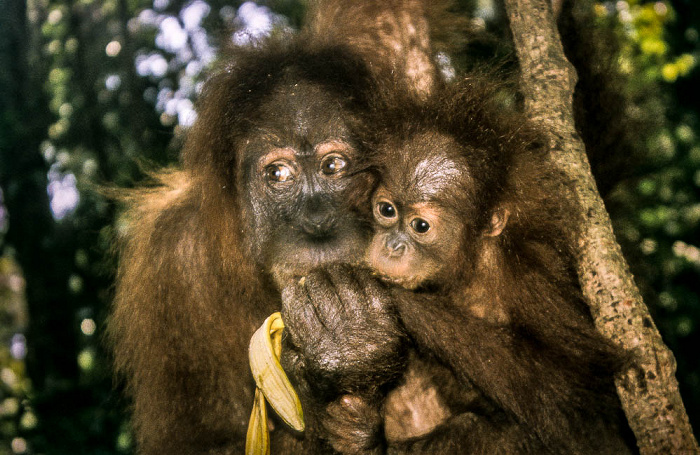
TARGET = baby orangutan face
x,y
418,224
414,242
425,212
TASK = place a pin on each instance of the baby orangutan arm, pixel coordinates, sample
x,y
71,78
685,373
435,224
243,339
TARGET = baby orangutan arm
x,y
542,375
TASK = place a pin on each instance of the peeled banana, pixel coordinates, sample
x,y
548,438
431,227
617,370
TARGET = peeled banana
x,y
272,385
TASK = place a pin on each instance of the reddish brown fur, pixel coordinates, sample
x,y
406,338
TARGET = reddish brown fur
x,y
191,288
504,339
507,318
173,328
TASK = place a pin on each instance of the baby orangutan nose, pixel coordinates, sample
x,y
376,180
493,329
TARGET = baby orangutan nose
x,y
396,247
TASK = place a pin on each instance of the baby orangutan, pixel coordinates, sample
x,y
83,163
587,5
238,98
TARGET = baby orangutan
x,y
473,237
420,213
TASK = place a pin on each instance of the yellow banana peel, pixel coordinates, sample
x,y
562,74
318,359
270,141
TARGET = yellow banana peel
x,y
272,385
257,441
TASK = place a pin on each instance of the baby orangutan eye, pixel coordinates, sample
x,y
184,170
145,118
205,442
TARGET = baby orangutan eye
x,y
420,225
386,209
333,164
278,173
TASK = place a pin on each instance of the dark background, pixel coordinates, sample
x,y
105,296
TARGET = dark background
x,y
94,92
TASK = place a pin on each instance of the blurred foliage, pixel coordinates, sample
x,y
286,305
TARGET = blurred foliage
x,y
94,92
657,214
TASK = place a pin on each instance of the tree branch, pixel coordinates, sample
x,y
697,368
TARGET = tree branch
x,y
396,42
648,392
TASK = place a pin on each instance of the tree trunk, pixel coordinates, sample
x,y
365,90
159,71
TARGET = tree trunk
x,y
395,41
648,391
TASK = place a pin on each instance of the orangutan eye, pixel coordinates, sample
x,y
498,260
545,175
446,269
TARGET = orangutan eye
x,y
333,164
278,173
420,225
386,210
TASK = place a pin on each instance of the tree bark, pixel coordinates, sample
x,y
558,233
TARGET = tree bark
x,y
648,391
393,36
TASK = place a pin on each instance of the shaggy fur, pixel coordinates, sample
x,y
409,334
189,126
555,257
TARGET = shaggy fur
x,y
505,357
198,250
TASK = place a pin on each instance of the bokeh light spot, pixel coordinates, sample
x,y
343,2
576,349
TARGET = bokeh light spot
x,y
113,48
88,327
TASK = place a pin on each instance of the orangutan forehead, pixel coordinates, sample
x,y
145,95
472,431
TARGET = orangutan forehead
x,y
434,174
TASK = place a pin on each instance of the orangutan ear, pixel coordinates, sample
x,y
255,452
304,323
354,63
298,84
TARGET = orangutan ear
x,y
499,219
